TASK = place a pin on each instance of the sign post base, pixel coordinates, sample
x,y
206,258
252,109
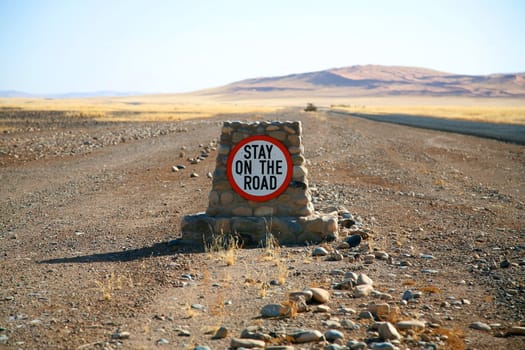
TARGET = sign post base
x,y
255,230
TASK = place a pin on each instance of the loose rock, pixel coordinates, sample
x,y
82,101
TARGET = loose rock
x,y
364,279
516,330
409,295
322,309
363,290
480,326
332,324
320,251
365,315
319,295
306,294
379,310
356,345
332,335
221,333
369,258
410,324
351,276
353,241
254,332
382,346
334,347
349,324
381,255
247,343
162,341
121,335
307,336
387,331
198,307
272,310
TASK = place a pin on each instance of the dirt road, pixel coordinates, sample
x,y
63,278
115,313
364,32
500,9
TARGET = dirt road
x,y
88,211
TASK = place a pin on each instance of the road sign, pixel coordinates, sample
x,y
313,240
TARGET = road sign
x,y
259,168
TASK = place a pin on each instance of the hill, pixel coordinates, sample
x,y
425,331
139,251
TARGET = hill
x,y
377,81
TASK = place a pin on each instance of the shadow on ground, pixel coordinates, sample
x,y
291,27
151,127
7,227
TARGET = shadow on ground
x,y
158,249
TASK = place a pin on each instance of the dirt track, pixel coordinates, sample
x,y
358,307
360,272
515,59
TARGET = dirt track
x,y
85,232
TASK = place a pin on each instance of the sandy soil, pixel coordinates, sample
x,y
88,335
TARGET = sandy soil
x,y
89,211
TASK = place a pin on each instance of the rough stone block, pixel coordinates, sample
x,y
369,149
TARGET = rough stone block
x,y
242,211
264,211
289,216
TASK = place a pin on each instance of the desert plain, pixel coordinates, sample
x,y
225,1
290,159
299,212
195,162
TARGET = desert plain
x,y
90,212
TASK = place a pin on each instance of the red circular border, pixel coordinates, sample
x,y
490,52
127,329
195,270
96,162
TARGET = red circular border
x,y
277,192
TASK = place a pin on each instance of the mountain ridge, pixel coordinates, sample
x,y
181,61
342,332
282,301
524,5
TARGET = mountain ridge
x,y
350,81
378,81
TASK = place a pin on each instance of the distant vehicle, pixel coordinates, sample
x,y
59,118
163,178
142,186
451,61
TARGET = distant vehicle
x,y
310,107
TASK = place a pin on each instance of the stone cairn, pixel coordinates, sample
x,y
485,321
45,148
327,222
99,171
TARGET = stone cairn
x,y
290,218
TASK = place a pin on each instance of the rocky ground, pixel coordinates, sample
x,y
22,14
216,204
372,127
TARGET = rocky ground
x,y
432,255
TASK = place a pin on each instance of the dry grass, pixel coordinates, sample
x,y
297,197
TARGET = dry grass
x,y
187,106
430,289
229,255
491,114
224,246
454,338
282,271
263,289
108,284
139,109
393,316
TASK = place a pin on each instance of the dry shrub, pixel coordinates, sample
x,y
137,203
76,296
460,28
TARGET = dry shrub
x,y
430,289
291,308
439,182
272,249
393,316
225,244
190,312
108,285
229,256
217,307
263,290
282,273
454,337
488,298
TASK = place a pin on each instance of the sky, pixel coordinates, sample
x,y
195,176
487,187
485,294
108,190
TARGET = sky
x,y
162,46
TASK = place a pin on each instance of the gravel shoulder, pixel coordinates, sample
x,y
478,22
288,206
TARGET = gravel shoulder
x,y
88,213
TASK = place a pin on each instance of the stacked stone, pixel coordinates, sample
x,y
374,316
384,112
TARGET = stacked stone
x,y
294,201
290,217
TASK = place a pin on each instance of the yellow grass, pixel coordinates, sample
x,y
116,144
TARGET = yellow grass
x,y
491,114
129,109
190,106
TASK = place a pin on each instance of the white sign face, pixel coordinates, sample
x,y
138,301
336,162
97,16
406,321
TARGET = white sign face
x,y
259,168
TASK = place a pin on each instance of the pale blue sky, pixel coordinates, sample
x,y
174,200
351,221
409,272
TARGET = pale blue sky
x,y
58,46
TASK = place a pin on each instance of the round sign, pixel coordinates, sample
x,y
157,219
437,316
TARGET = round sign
x,y
259,168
